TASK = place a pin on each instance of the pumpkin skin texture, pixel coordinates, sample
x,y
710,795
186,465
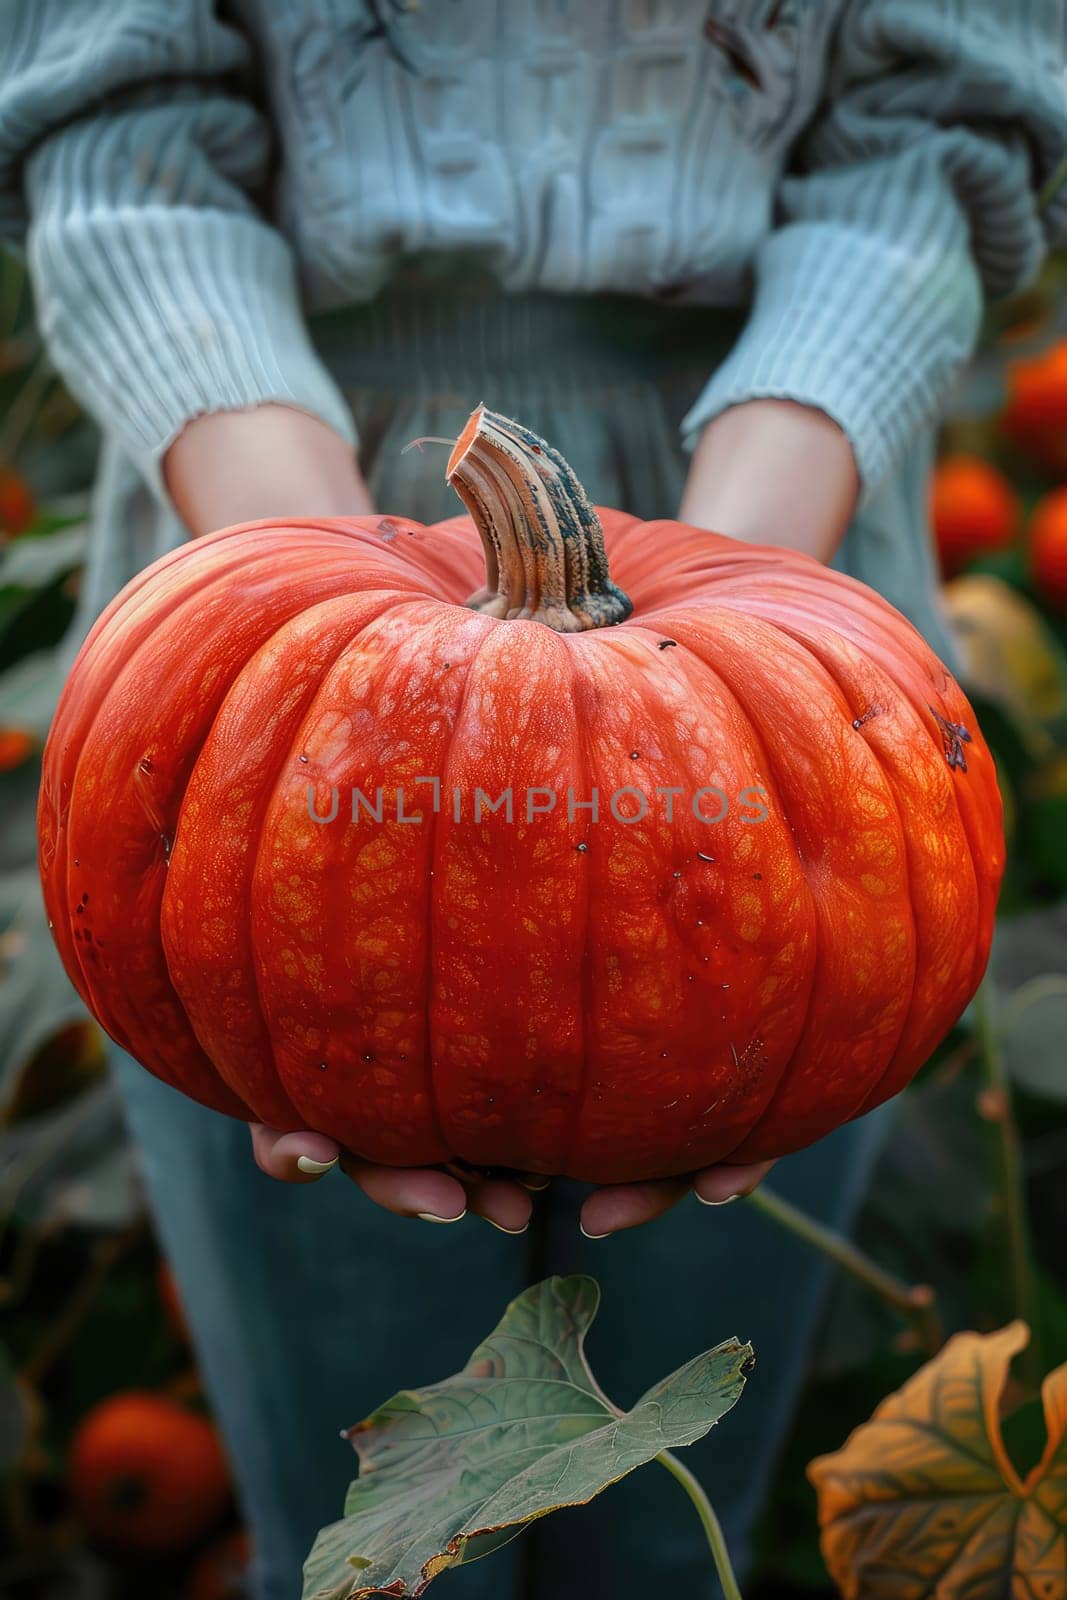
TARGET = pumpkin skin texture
x,y
614,999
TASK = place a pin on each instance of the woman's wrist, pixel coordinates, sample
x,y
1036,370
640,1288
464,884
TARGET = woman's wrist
x,y
773,472
270,461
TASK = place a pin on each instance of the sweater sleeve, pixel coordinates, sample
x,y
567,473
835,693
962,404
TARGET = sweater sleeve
x,y
913,195
130,166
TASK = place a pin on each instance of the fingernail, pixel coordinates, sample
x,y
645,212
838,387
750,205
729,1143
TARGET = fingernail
x,y
588,1235
729,1199
535,1184
428,1216
309,1164
500,1228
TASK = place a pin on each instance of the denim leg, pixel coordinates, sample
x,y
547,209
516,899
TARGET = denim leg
x,y
308,1306
669,1291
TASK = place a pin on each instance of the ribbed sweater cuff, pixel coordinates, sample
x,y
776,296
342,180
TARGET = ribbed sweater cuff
x,y
156,315
865,331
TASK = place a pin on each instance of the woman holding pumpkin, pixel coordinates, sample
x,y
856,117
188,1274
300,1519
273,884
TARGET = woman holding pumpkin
x,y
728,258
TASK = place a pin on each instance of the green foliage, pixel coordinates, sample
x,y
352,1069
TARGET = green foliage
x,y
451,1472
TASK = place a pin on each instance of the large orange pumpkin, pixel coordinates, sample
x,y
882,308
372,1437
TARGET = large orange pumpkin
x,y
274,871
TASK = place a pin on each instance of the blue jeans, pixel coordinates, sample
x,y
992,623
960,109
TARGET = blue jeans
x,y
309,1306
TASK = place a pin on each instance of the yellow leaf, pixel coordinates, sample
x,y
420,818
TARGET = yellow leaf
x,y
923,1502
1009,656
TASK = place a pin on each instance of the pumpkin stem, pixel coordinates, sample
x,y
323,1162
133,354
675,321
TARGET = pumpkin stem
x,y
544,546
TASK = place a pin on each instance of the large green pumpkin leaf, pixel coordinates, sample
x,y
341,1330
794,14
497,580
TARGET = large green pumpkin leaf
x,y
451,1472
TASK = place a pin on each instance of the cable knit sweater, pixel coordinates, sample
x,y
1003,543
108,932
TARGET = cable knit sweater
x,y
194,177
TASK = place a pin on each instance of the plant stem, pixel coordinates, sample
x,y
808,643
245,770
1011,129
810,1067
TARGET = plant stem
x,y
709,1521
23,409
1051,189
914,1301
998,1109
106,1253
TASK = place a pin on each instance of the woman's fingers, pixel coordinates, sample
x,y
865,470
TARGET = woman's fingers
x,y
434,1195
292,1157
427,1193
423,1192
716,1185
507,1205
627,1205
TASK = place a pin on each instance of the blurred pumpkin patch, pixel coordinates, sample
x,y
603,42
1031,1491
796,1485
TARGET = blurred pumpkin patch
x,y
925,1502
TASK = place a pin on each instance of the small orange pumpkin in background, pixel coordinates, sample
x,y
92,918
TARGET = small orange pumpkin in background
x,y
146,1475
1048,548
223,1570
1036,413
973,509
744,885
17,506
16,746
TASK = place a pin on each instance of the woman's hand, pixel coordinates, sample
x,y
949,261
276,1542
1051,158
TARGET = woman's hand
x,y
627,1205
438,1194
433,1194
271,461
773,472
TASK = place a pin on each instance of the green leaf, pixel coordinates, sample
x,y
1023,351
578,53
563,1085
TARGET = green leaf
x,y
14,1415
453,1471
1034,1024
29,691
36,996
1029,963
34,562
72,1166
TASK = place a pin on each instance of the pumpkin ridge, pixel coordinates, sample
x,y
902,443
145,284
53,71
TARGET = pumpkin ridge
x,y
402,556
969,818
261,562
907,707
65,724
787,1081
870,1093
425,624
587,987
189,599
147,577
887,657
432,880
696,650
266,796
